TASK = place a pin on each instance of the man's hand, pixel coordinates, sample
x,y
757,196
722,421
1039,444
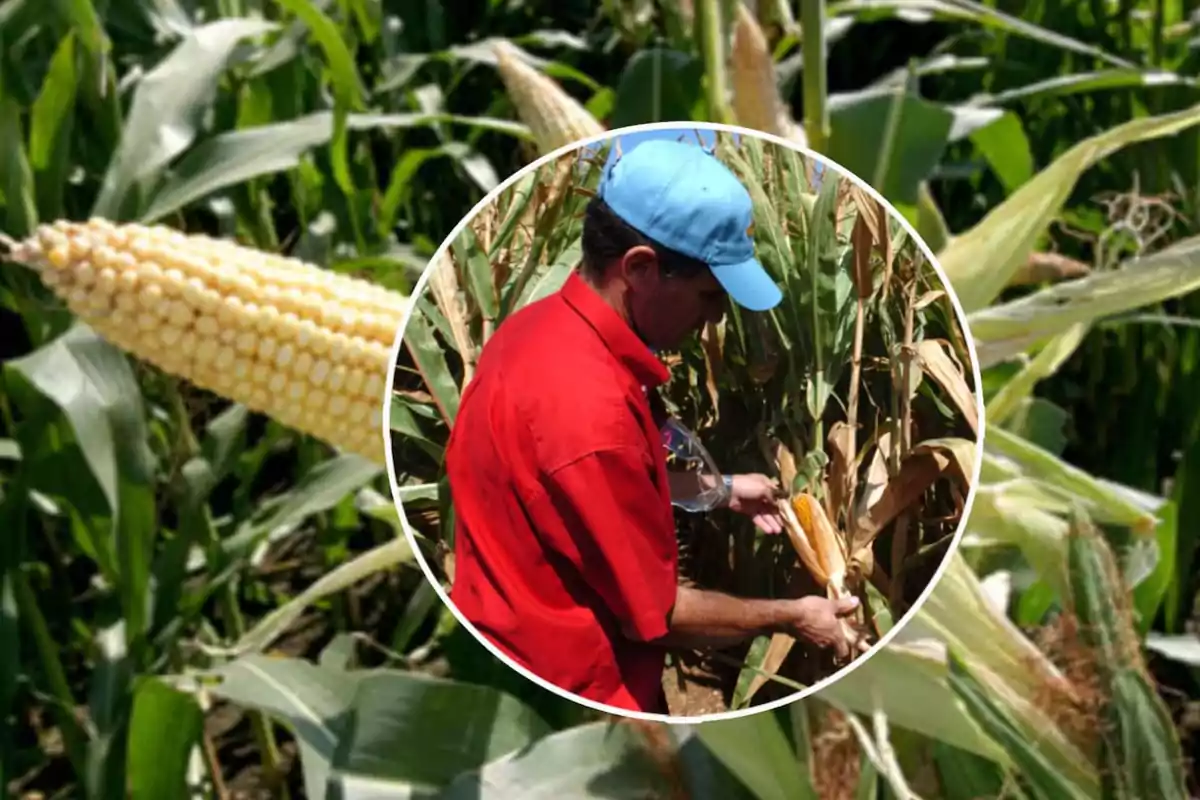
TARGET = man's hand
x,y
754,495
819,620
703,618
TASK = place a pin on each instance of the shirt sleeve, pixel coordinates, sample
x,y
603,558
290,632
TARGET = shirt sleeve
x,y
609,520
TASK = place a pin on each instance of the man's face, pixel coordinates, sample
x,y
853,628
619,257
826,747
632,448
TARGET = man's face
x,y
665,310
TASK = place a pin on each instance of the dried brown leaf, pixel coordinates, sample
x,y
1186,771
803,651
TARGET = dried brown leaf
x,y
961,454
937,362
712,342
909,361
917,473
926,462
845,193
862,564
862,239
784,461
877,472
870,233
777,652
415,395
787,466
928,298
870,211
841,466
884,242
1041,267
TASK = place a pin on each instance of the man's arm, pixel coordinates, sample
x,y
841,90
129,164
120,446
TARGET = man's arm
x,y
752,494
597,519
712,619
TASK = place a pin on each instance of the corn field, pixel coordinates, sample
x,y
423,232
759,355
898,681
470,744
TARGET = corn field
x,y
866,345
205,586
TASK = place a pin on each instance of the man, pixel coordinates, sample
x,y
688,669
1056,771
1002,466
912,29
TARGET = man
x,y
565,548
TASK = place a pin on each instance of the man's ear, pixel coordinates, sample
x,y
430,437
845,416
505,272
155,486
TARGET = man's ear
x,y
638,263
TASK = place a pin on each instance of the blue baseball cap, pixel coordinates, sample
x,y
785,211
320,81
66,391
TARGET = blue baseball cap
x,y
683,197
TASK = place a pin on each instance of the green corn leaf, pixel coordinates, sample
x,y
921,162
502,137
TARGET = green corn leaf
x,y
518,201
165,726
52,123
1035,768
420,341
959,615
238,156
756,750
16,175
1102,499
976,13
981,261
383,557
167,106
350,724
1005,403
910,679
94,386
1084,82
573,763
1020,513
1005,330
892,139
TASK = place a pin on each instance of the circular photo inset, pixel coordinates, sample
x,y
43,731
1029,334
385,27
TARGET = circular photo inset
x,y
684,421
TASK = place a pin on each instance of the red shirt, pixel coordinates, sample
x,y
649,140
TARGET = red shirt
x,y
564,534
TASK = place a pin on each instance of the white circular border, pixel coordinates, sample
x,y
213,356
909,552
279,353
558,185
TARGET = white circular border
x,y
683,126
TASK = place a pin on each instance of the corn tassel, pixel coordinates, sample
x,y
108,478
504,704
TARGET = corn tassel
x,y
555,118
304,345
756,101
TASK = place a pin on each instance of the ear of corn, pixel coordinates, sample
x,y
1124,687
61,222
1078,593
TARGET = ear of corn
x,y
1144,756
1035,765
304,345
820,548
800,540
756,101
555,118
823,537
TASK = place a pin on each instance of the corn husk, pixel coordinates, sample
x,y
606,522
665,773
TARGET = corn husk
x,y
555,118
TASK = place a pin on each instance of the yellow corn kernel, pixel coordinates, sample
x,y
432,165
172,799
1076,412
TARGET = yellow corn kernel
x,y
820,548
256,328
555,118
822,535
801,542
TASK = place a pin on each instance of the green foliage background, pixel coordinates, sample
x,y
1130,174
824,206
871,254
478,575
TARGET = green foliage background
x,y
145,527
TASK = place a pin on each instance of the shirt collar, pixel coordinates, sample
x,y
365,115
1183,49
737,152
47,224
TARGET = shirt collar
x,y
620,339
